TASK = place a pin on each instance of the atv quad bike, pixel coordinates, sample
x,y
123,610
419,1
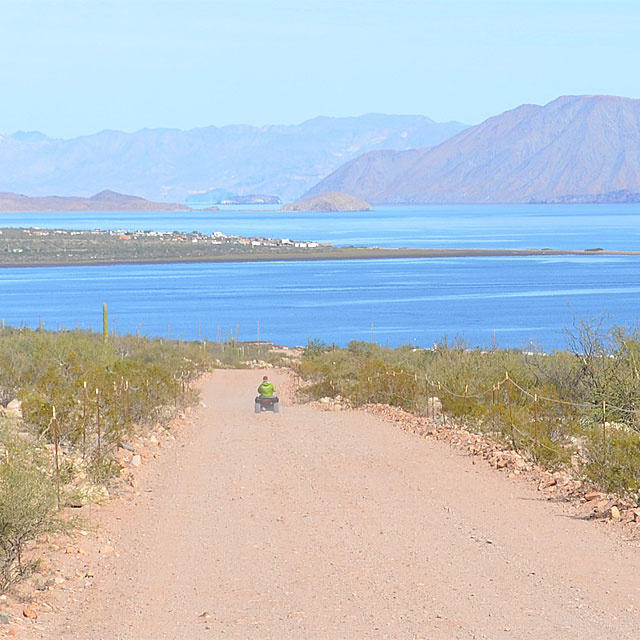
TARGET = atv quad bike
x,y
264,403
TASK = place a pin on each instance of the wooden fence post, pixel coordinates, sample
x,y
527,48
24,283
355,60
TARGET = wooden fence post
x,y
513,438
105,322
55,449
84,419
444,415
98,422
604,431
535,419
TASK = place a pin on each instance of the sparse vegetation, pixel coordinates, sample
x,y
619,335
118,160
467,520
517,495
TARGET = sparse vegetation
x,y
104,391
576,407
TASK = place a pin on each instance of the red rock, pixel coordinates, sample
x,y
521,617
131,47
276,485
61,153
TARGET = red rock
x,y
30,612
546,482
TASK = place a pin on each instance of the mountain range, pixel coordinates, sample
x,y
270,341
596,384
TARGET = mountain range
x,y
574,149
171,164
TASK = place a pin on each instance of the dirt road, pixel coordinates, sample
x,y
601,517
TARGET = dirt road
x,y
335,525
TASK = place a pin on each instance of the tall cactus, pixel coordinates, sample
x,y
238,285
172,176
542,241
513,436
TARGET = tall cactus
x,y
105,321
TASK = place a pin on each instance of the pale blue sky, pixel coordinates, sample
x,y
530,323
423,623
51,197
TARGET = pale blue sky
x,y
70,67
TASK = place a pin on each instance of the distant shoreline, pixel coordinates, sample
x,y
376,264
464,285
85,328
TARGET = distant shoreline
x,y
324,254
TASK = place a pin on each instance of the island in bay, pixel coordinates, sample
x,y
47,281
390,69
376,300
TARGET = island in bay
x,y
331,201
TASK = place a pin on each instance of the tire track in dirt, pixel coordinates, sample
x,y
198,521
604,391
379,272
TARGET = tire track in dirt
x,y
331,525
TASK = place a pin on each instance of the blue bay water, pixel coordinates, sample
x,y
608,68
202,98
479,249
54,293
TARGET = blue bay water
x,y
517,300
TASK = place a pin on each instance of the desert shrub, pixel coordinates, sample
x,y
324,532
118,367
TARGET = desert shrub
x,y
316,346
545,437
378,381
27,510
613,460
102,468
27,502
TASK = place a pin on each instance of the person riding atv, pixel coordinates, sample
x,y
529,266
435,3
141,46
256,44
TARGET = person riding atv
x,y
266,400
266,389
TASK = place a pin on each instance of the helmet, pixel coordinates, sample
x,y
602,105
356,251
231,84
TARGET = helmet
x,y
265,377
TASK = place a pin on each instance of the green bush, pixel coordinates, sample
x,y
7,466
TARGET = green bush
x,y
27,510
102,468
613,460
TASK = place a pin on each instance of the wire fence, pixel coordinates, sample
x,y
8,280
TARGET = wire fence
x,y
98,422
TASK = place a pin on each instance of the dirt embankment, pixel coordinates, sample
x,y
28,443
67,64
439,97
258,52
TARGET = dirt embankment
x,y
334,525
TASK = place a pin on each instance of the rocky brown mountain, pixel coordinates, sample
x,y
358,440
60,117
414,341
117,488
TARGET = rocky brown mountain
x,y
576,148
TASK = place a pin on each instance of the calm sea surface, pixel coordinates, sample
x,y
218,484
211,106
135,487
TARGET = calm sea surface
x,y
515,300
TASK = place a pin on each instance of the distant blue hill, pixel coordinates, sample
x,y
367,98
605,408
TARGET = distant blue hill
x,y
29,136
170,164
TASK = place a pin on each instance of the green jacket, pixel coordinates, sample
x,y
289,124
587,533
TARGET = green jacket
x,y
266,389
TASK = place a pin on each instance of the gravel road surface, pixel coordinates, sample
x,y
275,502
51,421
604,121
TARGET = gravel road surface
x,y
336,525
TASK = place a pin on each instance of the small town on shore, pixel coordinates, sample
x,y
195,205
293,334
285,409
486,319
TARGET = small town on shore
x,y
37,246
216,238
